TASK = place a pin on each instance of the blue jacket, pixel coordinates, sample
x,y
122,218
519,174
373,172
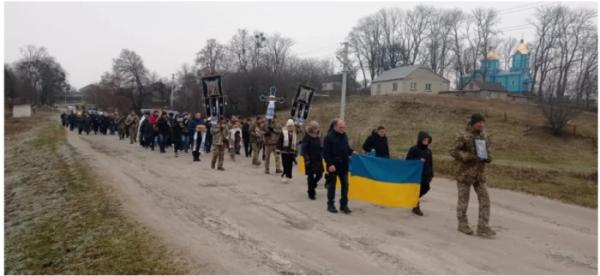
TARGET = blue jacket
x,y
193,123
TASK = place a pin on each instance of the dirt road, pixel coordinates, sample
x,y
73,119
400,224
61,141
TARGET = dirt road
x,y
245,222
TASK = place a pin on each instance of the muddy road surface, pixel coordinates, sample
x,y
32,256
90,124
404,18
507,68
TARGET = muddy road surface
x,y
243,221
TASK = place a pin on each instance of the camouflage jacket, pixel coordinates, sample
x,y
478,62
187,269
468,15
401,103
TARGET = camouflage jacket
x,y
469,167
271,133
219,134
256,133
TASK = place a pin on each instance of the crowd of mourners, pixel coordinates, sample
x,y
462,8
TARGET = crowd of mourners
x,y
263,139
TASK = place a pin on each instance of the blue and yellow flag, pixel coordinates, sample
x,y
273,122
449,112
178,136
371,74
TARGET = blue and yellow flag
x,y
386,182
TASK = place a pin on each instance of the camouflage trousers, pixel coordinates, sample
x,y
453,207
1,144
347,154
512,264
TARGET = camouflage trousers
x,y
218,155
464,189
256,148
271,150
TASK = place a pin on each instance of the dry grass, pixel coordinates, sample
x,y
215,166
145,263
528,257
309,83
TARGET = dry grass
x,y
526,156
59,220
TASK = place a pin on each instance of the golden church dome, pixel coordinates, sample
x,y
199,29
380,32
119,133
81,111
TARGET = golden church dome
x,y
491,54
522,48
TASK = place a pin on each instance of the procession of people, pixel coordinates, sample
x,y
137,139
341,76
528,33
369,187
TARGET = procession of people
x,y
325,155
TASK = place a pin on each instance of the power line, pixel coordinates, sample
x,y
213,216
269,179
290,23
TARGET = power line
x,y
530,5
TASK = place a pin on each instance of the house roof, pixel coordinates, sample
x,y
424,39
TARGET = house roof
x,y
401,72
488,86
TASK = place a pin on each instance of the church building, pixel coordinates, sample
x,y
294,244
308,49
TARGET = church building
x,y
515,81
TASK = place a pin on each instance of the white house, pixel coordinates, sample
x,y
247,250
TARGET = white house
x,y
409,79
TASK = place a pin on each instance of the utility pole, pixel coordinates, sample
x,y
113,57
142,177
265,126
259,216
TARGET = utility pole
x,y
344,78
172,87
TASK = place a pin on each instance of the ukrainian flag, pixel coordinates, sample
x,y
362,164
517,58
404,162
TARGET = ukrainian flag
x,y
386,182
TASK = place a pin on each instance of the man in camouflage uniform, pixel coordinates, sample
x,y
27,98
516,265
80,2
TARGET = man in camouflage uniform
x,y
272,130
219,143
471,172
131,124
256,139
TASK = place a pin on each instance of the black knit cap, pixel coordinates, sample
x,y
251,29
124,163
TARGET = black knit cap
x,y
476,118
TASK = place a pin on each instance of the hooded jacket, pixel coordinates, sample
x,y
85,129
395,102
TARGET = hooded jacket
x,y
421,151
378,143
312,149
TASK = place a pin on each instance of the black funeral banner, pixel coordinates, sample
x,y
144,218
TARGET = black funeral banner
x,y
301,104
213,96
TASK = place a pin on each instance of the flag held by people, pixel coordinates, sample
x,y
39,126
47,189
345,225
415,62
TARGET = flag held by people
x,y
385,182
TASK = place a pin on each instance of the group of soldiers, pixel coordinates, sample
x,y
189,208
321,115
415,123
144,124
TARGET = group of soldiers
x,y
262,138
97,122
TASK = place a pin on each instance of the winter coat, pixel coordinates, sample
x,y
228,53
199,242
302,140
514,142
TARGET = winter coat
x,y
193,123
337,151
131,122
272,131
378,143
163,125
312,151
235,142
422,152
219,134
176,131
146,128
184,125
256,133
291,146
470,168
246,131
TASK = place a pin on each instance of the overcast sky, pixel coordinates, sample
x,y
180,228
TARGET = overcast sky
x,y
85,37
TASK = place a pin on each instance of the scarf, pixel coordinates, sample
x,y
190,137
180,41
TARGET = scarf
x,y
286,138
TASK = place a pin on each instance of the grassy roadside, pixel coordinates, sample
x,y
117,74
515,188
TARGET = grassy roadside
x,y
527,158
59,220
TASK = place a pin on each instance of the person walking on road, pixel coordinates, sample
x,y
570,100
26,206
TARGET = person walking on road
x,y
219,141
337,152
421,151
312,152
472,153
287,147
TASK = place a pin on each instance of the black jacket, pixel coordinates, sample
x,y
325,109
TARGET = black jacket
x,y
146,128
380,144
420,151
163,126
176,131
337,150
312,152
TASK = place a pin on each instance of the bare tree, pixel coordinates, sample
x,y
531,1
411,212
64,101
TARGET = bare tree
x,y
416,30
129,67
486,22
43,74
278,48
456,21
258,43
240,48
439,40
506,48
211,56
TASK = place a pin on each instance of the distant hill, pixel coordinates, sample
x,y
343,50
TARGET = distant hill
x,y
526,156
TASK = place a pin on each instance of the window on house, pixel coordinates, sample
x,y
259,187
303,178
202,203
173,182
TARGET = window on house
x,y
428,87
395,86
413,86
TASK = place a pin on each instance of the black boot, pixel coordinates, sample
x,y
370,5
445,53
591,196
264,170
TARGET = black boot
x,y
417,210
332,209
346,210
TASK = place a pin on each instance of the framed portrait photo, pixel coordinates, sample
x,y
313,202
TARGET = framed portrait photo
x,y
481,149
